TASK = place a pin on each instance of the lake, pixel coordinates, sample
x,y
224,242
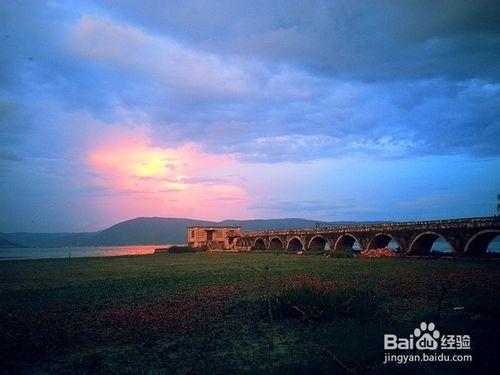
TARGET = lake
x,y
76,252
107,251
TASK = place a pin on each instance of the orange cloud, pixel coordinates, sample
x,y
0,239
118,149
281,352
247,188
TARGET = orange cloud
x,y
176,181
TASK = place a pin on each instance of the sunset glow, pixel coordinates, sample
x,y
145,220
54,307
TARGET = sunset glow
x,y
218,112
128,165
159,175
249,186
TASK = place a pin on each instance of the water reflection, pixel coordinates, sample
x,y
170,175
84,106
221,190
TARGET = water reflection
x,y
76,252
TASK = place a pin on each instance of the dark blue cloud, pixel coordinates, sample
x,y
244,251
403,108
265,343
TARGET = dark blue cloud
x,y
355,40
281,81
268,82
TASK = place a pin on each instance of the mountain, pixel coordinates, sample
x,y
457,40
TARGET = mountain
x,y
153,231
147,231
275,224
49,239
5,244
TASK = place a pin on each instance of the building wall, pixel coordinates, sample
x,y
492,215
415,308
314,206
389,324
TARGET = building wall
x,y
200,237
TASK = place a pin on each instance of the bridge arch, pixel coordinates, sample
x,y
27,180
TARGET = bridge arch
x,y
478,243
259,244
382,240
346,242
295,244
422,243
275,243
318,242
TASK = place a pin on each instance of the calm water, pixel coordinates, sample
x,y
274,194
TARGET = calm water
x,y
107,251
76,252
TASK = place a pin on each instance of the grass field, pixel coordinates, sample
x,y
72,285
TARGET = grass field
x,y
205,313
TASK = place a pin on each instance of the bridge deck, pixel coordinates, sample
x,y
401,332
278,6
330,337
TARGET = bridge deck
x,y
476,222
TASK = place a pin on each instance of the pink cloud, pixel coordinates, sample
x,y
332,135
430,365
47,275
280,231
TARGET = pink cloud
x,y
180,181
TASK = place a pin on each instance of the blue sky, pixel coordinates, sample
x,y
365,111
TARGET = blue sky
x,y
327,110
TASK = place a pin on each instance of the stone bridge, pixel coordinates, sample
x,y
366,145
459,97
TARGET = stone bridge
x,y
469,236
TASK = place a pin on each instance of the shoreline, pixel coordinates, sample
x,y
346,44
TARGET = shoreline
x,y
257,253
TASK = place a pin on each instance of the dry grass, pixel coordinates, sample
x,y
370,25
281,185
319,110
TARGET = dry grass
x,y
236,312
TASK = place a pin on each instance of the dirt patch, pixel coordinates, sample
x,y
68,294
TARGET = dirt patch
x,y
184,311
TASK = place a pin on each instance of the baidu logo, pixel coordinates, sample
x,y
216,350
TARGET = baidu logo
x,y
426,344
427,336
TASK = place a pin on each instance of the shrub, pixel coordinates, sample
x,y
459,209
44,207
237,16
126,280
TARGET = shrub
x,y
181,249
341,254
312,303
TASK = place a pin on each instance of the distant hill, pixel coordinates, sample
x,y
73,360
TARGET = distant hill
x,y
147,231
49,239
5,244
274,224
153,231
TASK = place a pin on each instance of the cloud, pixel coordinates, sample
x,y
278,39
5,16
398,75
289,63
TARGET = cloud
x,y
267,103
176,175
196,107
14,120
401,120
160,60
135,165
370,41
305,206
7,155
287,147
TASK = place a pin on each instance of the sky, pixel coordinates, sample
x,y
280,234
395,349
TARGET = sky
x,y
344,110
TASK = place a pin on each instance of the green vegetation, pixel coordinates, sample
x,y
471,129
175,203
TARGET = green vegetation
x,y
316,302
203,312
341,254
178,249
